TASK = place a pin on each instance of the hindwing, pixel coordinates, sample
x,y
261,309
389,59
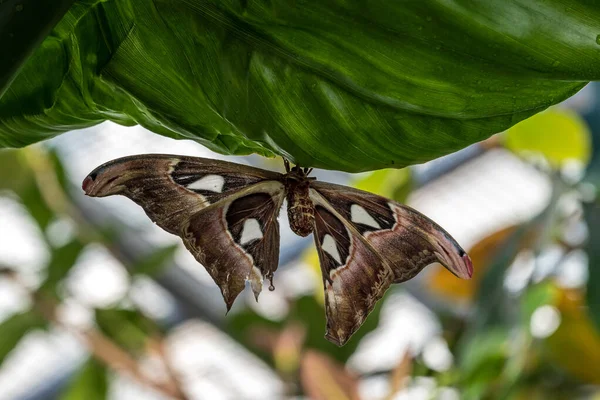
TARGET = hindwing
x,y
367,242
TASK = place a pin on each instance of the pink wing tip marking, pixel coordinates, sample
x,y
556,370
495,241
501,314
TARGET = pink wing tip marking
x,y
87,183
468,264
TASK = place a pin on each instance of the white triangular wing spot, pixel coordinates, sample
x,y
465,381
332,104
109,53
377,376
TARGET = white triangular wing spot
x,y
250,231
330,247
360,216
213,183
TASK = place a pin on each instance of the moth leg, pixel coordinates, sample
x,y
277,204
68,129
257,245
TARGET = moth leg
x,y
286,163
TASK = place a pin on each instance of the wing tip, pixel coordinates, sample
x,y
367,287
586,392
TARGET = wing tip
x,y
87,183
335,340
469,266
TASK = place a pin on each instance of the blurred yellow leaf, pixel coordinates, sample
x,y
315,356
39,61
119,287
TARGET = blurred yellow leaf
x,y
442,282
575,345
482,254
15,174
391,183
284,345
324,379
558,134
286,352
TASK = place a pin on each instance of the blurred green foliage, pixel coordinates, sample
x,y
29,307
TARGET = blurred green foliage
x,y
496,352
90,383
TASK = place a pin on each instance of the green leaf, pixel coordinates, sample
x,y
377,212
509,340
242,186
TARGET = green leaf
x,y
536,296
482,362
491,300
130,329
91,383
14,171
155,261
558,134
353,86
17,176
13,329
61,262
17,36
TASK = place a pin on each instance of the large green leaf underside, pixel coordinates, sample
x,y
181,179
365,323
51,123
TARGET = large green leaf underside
x,y
349,85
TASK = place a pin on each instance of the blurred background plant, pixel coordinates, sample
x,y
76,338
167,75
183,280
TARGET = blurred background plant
x,y
99,303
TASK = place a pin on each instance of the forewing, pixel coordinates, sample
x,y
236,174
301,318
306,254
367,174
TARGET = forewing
x,y
405,238
365,243
226,213
171,188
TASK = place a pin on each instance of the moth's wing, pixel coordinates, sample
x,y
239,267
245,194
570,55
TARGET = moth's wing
x,y
354,275
384,237
226,213
237,238
405,238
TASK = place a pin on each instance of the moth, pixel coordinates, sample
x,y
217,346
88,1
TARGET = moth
x,y
226,214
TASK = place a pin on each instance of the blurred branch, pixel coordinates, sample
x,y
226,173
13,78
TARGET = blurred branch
x,y
99,345
323,379
400,375
103,348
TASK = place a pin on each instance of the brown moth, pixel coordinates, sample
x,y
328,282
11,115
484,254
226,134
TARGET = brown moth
x,y
227,213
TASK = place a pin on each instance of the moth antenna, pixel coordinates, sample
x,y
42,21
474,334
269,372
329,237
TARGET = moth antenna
x,y
286,163
307,171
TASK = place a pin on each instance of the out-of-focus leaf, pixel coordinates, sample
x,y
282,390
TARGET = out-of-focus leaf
x,y
59,169
482,254
17,176
536,296
558,134
575,345
491,300
482,360
36,206
394,184
346,85
284,345
323,379
399,375
592,247
130,329
61,262
14,328
288,347
14,172
90,383
155,261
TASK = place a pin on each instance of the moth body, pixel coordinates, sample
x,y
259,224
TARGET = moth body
x,y
300,208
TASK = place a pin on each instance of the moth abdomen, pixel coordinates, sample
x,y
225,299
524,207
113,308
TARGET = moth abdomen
x,y
301,210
